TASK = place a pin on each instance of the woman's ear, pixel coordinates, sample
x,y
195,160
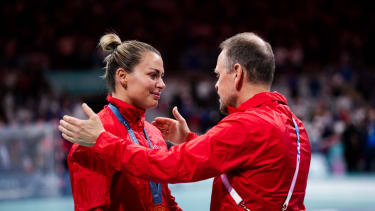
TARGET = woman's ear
x,y
238,76
122,77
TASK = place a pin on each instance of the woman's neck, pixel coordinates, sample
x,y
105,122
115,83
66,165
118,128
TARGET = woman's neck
x,y
122,96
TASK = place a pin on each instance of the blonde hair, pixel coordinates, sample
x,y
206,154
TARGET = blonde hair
x,y
124,55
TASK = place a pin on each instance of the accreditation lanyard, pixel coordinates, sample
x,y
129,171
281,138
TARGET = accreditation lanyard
x,y
155,187
240,202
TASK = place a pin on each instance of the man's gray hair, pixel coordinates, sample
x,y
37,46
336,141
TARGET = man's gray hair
x,y
253,54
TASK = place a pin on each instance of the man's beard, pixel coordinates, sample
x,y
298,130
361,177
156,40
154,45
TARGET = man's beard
x,y
223,108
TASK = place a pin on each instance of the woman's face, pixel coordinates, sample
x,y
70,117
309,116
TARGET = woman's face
x,y
145,82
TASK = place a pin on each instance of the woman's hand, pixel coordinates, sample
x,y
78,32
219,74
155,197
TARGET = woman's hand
x,y
82,132
172,130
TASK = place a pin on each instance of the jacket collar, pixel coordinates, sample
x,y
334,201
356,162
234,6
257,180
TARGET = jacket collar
x,y
258,100
135,116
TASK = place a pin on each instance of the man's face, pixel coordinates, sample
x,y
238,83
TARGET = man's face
x,y
225,85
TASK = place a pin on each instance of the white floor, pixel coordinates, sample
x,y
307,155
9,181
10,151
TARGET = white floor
x,y
354,193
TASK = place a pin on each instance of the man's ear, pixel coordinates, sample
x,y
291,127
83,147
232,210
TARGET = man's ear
x,y
238,76
122,77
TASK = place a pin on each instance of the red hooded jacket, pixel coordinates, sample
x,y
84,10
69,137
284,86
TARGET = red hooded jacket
x,y
96,184
255,145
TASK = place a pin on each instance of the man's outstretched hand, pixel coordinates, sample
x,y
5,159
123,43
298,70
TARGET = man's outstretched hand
x,y
82,132
172,130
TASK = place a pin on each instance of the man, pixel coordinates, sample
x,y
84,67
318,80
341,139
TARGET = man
x,y
259,154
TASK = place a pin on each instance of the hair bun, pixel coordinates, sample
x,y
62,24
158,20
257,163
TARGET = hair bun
x,y
109,42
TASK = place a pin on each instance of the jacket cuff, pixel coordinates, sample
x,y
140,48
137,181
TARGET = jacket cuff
x,y
107,148
100,137
106,138
190,136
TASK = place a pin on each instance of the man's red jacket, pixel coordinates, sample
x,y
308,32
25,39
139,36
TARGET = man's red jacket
x,y
96,184
256,146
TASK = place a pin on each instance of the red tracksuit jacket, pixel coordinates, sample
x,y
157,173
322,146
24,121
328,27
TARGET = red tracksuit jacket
x,y
95,183
256,146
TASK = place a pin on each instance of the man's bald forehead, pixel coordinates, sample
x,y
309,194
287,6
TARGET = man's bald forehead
x,y
253,53
245,37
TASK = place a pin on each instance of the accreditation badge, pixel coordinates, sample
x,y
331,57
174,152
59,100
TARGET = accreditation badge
x,y
158,207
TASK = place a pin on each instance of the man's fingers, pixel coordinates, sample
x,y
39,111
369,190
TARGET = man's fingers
x,y
157,124
72,120
162,120
88,111
68,138
68,126
65,131
161,127
74,141
177,114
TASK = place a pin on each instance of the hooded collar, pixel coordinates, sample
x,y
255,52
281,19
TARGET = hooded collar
x,y
135,116
258,100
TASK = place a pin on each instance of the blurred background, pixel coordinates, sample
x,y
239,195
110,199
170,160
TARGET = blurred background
x,y
50,64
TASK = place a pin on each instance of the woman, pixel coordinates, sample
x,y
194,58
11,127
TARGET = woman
x,y
133,74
